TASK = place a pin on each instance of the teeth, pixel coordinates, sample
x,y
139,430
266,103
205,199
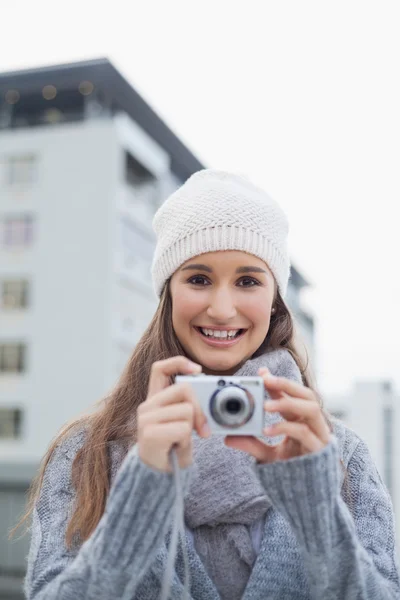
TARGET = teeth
x,y
215,333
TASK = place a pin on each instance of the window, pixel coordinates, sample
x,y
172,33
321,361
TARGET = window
x,y
10,423
143,183
135,172
16,232
12,358
21,169
14,294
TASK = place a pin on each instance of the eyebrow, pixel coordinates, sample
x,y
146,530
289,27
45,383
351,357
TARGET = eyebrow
x,y
199,267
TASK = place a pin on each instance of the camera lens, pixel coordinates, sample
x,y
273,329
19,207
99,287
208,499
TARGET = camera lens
x,y
221,382
233,407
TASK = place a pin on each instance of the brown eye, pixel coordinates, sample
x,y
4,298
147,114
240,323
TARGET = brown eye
x,y
198,280
248,282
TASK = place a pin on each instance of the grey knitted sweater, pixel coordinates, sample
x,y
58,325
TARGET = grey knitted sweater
x,y
314,546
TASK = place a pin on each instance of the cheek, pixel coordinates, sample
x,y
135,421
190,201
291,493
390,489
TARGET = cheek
x,y
257,309
186,306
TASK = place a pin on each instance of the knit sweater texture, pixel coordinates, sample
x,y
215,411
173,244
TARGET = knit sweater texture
x,y
314,545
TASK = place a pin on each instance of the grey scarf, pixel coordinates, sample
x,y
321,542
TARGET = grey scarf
x,y
226,496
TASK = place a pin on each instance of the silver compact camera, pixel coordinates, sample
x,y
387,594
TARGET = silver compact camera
x,y
233,405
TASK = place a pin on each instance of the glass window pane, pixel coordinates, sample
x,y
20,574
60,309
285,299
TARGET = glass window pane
x,y
14,294
10,423
12,358
17,231
21,169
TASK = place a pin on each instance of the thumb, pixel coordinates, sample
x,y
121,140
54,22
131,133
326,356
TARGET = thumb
x,y
252,445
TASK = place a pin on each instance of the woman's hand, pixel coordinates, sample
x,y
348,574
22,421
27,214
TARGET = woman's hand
x,y
304,426
168,415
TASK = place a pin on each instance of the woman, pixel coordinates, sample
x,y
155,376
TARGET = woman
x,y
306,518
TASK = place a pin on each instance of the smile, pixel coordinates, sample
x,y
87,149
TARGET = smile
x,y
220,338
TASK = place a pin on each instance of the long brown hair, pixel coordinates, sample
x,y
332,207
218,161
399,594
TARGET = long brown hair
x,y
115,416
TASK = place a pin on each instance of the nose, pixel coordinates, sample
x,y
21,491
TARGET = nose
x,y
222,306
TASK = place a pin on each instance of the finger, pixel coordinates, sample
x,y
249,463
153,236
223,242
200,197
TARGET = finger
x,y
162,371
166,434
177,393
199,418
275,384
299,432
295,408
186,411
165,414
253,446
273,394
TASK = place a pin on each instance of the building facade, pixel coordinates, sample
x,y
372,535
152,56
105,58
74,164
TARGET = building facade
x,y
84,164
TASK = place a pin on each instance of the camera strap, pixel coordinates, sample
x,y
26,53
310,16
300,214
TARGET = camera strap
x,y
177,531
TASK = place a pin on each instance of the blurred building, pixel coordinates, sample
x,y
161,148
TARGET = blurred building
x,y
84,164
304,321
371,409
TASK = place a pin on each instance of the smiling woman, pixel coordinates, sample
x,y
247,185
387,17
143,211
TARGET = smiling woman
x,y
221,308
262,520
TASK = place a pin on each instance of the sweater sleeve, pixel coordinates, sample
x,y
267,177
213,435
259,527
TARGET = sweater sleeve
x,y
113,560
346,556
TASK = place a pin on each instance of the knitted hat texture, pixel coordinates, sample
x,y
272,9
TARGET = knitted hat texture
x,y
216,210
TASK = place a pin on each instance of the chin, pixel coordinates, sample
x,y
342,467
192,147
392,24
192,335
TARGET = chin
x,y
222,365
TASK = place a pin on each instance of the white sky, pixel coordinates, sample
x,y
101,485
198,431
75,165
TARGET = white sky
x,y
304,97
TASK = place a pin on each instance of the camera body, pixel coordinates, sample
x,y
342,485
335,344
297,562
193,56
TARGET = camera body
x,y
233,405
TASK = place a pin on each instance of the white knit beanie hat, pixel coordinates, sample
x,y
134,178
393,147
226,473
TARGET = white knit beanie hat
x,y
215,210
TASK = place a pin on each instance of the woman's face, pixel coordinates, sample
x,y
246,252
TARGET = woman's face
x,y
228,294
